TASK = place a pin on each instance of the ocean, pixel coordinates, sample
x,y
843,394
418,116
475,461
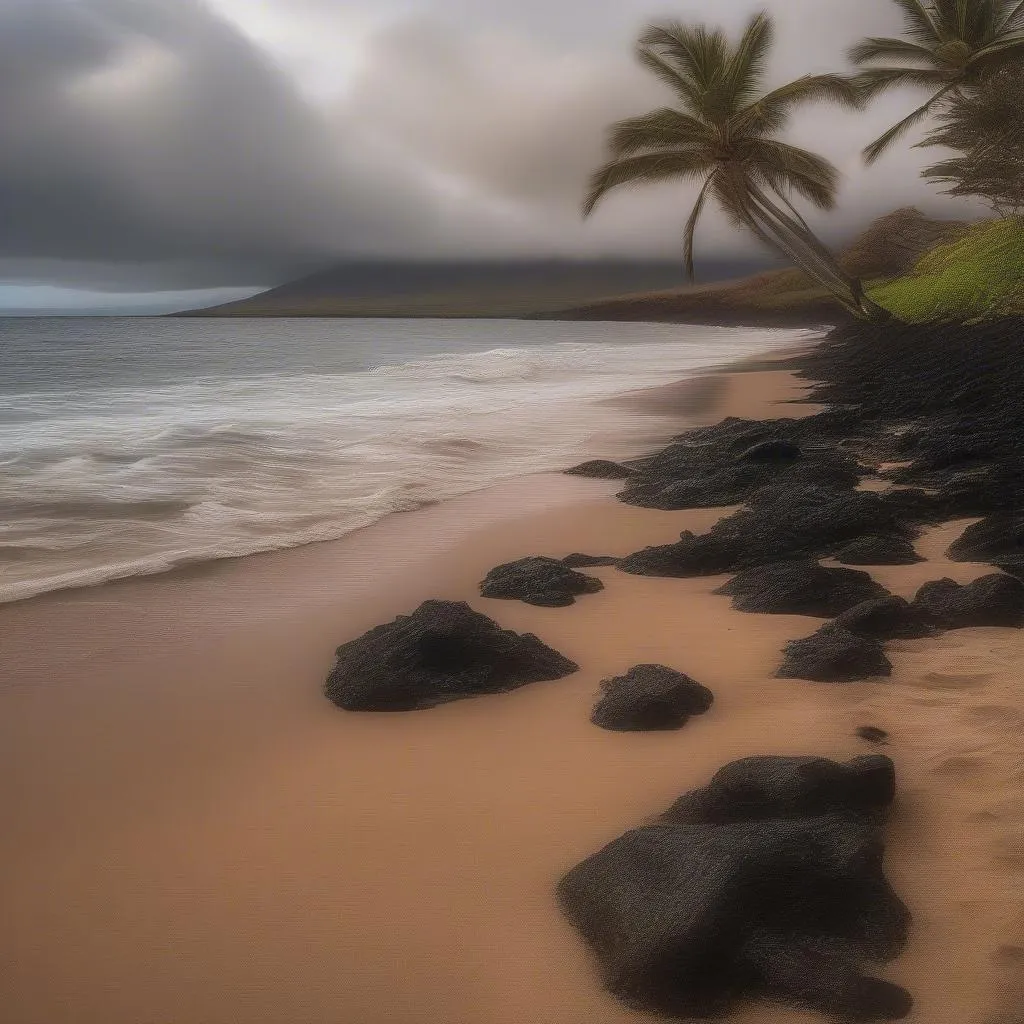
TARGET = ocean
x,y
131,446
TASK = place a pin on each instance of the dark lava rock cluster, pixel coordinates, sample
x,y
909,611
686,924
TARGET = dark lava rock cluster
x,y
650,697
800,587
766,883
443,651
547,582
778,522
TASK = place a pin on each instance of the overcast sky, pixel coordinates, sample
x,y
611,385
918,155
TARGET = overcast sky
x,y
170,144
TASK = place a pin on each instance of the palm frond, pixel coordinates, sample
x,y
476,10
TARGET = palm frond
x,y
874,81
784,167
974,22
664,128
1012,14
918,21
883,48
701,54
685,88
749,61
998,54
872,152
771,112
644,169
691,226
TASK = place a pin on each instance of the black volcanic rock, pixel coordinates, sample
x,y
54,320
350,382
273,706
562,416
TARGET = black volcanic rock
x,y
547,582
650,697
834,655
581,561
442,652
772,451
800,587
691,555
766,883
884,618
773,786
878,549
600,469
993,600
998,539
779,523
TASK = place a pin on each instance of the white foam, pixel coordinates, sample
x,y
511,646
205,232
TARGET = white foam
x,y
98,483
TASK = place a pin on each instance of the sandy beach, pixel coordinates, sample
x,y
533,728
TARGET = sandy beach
x,y
195,835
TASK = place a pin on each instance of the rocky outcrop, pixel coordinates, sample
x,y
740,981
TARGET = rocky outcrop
x,y
834,655
878,549
884,618
800,587
650,697
993,600
600,469
778,523
547,582
442,652
766,883
997,539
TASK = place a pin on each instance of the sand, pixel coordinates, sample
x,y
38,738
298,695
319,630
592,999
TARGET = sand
x,y
194,835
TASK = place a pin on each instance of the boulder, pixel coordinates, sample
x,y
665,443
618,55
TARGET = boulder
x,y
800,587
650,697
774,786
878,549
834,655
442,652
884,618
547,582
767,883
691,555
600,469
998,539
580,561
993,600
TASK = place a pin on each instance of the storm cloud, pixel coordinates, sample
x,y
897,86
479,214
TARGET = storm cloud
x,y
180,143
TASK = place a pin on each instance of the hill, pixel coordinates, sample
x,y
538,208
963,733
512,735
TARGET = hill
x,y
888,248
467,288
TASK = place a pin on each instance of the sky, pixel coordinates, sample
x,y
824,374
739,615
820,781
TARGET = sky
x,y
155,147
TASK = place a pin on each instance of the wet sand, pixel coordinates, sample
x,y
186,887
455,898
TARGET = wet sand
x,y
194,835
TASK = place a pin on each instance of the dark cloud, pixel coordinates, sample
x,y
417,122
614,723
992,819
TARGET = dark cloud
x,y
194,143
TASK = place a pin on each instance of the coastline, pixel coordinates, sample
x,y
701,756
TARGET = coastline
x,y
196,835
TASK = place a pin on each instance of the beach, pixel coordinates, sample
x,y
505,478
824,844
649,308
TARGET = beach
x,y
195,835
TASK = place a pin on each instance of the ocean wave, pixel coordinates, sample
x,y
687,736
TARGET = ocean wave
x,y
105,482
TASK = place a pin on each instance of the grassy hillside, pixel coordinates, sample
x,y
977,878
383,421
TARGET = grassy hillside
x,y
979,274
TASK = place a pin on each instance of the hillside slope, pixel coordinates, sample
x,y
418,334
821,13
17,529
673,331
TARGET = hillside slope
x,y
889,247
466,288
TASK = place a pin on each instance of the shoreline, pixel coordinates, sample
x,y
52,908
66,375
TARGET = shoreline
x,y
196,835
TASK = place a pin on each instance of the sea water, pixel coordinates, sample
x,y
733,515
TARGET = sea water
x,y
132,446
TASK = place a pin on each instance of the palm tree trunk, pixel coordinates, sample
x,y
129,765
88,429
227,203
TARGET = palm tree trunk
x,y
808,263
801,238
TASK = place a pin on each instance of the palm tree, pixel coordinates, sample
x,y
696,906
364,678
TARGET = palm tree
x,y
722,133
949,46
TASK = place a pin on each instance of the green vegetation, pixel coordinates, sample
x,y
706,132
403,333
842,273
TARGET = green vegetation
x,y
980,274
723,132
986,130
